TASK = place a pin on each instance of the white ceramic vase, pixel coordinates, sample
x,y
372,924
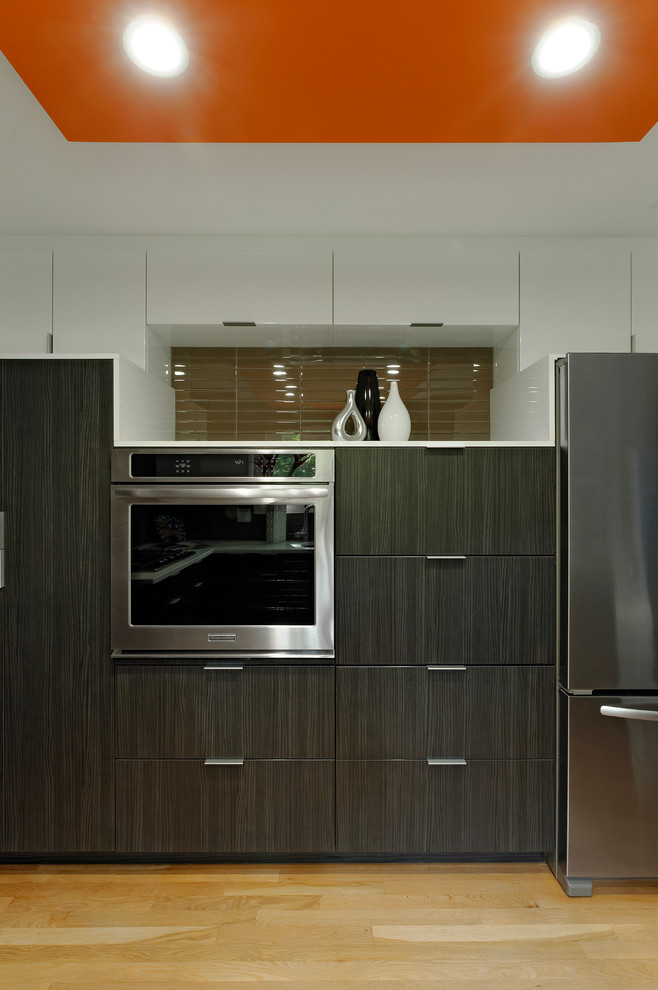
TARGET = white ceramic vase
x,y
349,412
394,422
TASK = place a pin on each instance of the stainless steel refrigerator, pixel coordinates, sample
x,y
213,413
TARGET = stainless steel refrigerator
x,y
607,767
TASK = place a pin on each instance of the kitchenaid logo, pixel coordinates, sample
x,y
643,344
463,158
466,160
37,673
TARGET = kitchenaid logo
x,y
221,637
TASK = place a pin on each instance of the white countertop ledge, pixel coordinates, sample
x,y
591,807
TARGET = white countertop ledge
x,y
320,444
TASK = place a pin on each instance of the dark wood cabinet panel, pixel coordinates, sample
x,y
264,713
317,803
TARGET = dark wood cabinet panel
x,y
512,609
188,712
511,500
487,807
58,748
379,500
416,713
509,806
480,500
399,713
184,806
399,610
413,610
511,713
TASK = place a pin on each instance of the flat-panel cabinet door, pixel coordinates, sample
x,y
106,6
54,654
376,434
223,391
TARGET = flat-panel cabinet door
x,y
407,807
259,807
224,286
406,610
26,301
415,610
511,500
58,773
225,711
416,713
468,288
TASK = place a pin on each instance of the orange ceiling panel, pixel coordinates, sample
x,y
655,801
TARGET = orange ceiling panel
x,y
349,71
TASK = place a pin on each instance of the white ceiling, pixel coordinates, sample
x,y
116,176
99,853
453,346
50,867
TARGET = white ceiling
x,y
51,186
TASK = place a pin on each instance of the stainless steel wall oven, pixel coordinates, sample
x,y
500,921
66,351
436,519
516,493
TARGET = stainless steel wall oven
x,y
223,550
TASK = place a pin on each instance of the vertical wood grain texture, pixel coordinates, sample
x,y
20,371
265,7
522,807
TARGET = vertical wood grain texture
x,y
56,442
262,806
260,712
380,500
393,500
511,500
512,602
510,712
399,610
484,806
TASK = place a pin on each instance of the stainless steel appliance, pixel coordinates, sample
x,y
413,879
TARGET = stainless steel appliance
x,y
223,551
607,434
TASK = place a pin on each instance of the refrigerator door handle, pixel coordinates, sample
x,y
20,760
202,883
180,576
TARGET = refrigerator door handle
x,y
638,713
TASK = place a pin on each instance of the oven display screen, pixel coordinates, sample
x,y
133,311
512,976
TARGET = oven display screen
x,y
207,465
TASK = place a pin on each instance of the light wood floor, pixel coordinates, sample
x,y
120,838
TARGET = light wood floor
x,y
392,927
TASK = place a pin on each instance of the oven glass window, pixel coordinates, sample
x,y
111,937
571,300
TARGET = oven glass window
x,y
222,565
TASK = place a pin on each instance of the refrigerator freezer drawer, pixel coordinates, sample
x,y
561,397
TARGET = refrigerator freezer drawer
x,y
608,786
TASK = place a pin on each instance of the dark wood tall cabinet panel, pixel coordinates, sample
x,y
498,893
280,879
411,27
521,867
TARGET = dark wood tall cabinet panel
x,y
58,747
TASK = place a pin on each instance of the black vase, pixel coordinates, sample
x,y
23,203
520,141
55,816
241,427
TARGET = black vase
x,y
368,402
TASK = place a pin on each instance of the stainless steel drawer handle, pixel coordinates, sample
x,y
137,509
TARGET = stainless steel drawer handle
x,y
636,713
219,667
446,556
228,762
446,763
446,667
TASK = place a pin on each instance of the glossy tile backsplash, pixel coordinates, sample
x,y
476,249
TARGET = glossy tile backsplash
x,y
254,393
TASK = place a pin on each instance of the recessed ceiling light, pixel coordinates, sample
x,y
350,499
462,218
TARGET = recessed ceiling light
x,y
155,46
566,47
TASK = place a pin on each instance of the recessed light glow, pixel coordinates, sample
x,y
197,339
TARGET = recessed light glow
x,y
155,46
279,373
566,47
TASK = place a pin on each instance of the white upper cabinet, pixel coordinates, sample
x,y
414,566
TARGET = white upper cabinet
x,y
243,286
645,300
99,303
574,301
397,287
26,301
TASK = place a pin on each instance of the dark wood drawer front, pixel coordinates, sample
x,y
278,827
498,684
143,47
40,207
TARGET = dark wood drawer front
x,y
441,500
489,806
181,806
416,610
399,610
511,500
512,601
189,712
412,713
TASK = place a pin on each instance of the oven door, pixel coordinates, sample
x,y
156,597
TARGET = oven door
x,y
244,569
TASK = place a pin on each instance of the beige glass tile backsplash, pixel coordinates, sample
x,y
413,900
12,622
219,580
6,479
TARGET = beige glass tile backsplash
x,y
253,393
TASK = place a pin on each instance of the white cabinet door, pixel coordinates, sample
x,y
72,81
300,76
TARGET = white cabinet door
x,y
645,300
99,303
457,288
223,286
574,301
26,301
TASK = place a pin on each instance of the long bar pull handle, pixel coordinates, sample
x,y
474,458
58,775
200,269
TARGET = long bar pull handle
x,y
236,761
446,763
635,713
445,556
219,667
446,667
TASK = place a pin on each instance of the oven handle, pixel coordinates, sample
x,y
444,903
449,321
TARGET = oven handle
x,y
255,494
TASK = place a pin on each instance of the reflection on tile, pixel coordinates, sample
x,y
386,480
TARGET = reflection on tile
x,y
284,393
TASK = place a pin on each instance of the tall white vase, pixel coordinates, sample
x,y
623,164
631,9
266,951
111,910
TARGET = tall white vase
x,y
394,422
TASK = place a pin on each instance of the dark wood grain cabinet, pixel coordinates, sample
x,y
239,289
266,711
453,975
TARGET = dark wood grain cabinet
x,y
473,500
57,674
223,758
445,612
406,609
